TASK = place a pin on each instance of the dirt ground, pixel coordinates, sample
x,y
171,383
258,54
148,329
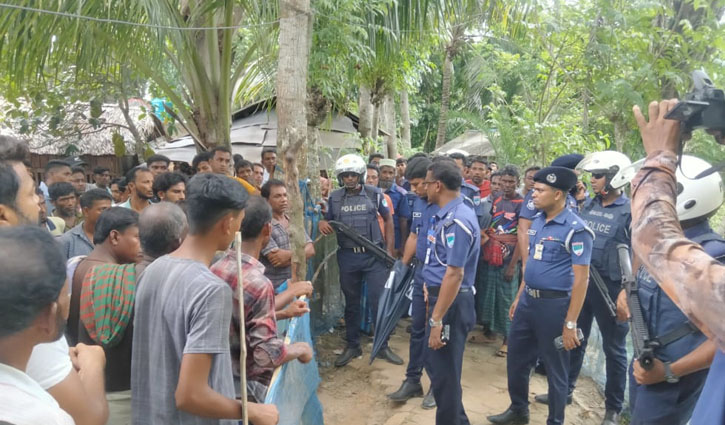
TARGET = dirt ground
x,y
355,394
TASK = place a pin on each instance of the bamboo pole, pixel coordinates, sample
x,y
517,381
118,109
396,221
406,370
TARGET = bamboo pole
x,y
242,328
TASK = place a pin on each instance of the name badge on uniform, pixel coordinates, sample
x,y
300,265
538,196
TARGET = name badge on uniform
x,y
538,251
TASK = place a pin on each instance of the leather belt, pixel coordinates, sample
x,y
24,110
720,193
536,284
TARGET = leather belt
x,y
433,291
545,293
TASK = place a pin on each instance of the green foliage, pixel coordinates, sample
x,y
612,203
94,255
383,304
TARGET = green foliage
x,y
119,145
568,80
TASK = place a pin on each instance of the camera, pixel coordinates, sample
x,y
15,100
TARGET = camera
x,y
703,107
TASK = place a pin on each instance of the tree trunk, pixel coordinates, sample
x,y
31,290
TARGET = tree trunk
x,y
318,107
405,120
365,109
390,127
445,98
291,113
375,122
620,133
139,142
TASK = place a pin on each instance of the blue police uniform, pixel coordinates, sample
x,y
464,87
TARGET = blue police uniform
x,y
554,247
423,212
359,211
665,403
453,239
405,184
710,407
398,196
472,197
610,224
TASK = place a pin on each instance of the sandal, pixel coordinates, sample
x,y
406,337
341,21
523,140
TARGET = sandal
x,y
503,351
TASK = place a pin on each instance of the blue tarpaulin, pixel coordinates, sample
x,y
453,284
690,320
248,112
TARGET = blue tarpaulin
x,y
294,386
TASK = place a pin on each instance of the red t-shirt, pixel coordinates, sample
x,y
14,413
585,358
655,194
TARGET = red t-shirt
x,y
484,188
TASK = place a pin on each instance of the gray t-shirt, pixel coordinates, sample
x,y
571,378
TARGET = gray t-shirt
x,y
181,308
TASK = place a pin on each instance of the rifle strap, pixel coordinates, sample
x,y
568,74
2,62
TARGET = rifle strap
x,y
681,331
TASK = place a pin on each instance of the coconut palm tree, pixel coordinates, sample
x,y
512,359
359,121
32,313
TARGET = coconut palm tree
x,y
201,39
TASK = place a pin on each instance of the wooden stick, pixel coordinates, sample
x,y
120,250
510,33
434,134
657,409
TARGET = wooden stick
x,y
242,328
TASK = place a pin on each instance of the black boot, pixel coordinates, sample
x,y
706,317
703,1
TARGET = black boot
x,y
347,356
544,398
611,417
407,390
387,354
511,417
429,401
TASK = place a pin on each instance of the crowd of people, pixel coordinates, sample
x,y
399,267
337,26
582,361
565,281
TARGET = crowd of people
x,y
129,286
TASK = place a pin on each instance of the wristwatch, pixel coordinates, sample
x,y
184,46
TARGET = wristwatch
x,y
670,377
435,323
570,325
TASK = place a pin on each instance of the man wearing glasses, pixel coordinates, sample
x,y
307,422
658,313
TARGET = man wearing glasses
x,y
453,245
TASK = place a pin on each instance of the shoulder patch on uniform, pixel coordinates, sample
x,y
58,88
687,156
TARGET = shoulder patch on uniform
x,y
450,238
530,205
477,200
385,202
531,232
577,248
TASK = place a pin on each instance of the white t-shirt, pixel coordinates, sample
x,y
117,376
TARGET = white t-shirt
x,y
24,402
49,363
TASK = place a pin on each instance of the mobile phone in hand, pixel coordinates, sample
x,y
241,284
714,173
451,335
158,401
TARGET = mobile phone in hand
x,y
559,340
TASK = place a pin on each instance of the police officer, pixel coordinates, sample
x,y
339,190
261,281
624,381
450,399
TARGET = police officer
x,y
529,211
667,393
453,246
415,248
357,205
398,196
608,215
550,298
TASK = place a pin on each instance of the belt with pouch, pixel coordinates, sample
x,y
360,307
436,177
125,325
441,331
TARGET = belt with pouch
x,y
545,293
433,291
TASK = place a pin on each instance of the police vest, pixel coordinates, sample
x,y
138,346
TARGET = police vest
x,y
665,321
359,211
610,227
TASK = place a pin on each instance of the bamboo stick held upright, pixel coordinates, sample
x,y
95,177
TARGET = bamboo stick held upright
x,y
242,328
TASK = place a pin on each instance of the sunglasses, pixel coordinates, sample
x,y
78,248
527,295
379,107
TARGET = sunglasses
x,y
598,175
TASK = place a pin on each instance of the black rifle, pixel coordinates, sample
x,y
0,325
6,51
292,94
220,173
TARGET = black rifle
x,y
364,242
604,291
643,345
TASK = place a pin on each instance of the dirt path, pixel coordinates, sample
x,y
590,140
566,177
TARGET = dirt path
x,y
355,394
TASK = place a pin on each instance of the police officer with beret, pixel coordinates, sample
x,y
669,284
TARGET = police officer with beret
x,y
529,210
608,215
666,394
358,205
453,247
550,298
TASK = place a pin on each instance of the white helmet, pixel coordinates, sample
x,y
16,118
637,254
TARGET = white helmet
x,y
697,198
350,163
615,165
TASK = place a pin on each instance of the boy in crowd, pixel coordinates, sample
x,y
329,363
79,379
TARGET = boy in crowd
x,y
181,363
